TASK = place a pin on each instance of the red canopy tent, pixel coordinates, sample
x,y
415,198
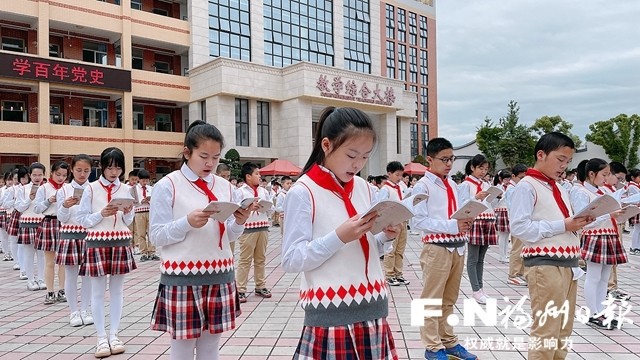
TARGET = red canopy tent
x,y
415,169
281,167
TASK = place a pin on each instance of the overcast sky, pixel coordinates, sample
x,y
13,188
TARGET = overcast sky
x,y
576,59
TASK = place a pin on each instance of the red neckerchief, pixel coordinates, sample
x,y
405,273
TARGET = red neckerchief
x,y
255,190
452,204
478,184
327,182
54,184
202,185
397,187
108,189
557,195
610,187
144,191
504,187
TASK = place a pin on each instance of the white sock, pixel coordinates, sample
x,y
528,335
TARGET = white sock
x,y
85,294
635,237
71,286
503,242
595,286
15,251
28,253
208,346
182,349
98,289
4,237
40,258
116,298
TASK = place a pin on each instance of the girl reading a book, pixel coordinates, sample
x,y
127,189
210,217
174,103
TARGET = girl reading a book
x,y
197,299
343,289
601,246
108,251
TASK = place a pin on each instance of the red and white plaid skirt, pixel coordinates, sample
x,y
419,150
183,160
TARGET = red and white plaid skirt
x,y
3,220
483,232
14,223
502,221
603,249
186,311
70,251
371,340
102,261
28,235
48,235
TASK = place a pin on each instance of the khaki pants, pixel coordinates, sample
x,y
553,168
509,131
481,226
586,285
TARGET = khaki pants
x,y
551,284
441,272
613,279
253,247
132,228
393,261
142,228
516,265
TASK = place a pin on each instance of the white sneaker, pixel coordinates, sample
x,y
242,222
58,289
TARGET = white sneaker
x,y
23,275
86,317
16,266
480,297
32,285
42,285
485,294
75,320
136,251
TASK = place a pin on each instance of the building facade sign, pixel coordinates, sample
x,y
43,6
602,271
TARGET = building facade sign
x,y
338,88
34,68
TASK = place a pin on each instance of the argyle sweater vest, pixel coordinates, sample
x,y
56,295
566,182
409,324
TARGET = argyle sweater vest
x,y
338,292
393,193
604,227
256,221
29,218
49,192
142,207
71,229
437,209
111,231
198,259
558,250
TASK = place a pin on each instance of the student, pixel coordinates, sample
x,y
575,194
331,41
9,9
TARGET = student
x,y
541,216
273,193
29,223
632,189
617,179
223,171
328,242
286,185
108,250
393,260
143,191
517,271
133,182
47,238
502,180
189,236
72,245
601,245
253,242
483,229
4,216
442,257
20,178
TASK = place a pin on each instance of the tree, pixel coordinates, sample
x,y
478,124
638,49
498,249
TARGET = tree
x,y
420,160
516,143
487,138
547,124
619,136
232,160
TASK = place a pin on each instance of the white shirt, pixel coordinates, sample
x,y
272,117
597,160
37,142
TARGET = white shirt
x,y
522,226
166,230
64,214
580,200
87,218
299,251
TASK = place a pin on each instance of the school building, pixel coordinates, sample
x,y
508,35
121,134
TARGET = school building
x,y
77,76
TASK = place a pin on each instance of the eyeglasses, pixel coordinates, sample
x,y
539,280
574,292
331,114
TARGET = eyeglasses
x,y
447,160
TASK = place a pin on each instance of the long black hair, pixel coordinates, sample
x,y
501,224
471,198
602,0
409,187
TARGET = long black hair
x,y
338,125
199,131
586,166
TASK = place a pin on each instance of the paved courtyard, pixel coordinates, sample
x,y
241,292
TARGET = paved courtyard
x,y
270,328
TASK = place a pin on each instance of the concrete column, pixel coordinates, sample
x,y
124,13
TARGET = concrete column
x,y
338,34
43,32
127,127
293,138
43,123
125,39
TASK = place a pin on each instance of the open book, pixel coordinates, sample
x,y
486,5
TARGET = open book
x,y
34,189
494,193
470,210
390,212
414,200
264,206
605,204
77,193
121,203
223,209
627,213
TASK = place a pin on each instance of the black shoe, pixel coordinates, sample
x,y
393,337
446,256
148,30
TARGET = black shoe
x,y
599,323
61,296
393,282
144,258
154,257
401,280
50,298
